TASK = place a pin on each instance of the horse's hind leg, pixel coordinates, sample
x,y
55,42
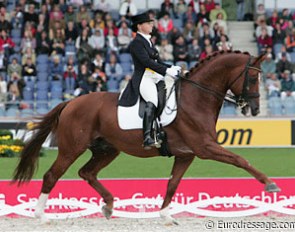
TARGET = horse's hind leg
x,y
58,168
180,166
218,153
103,153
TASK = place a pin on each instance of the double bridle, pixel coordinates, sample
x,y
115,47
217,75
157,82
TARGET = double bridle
x,y
239,100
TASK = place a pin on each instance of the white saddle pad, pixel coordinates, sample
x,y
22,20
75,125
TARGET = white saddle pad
x,y
128,117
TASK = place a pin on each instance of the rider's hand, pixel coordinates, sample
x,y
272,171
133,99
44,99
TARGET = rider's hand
x,y
173,71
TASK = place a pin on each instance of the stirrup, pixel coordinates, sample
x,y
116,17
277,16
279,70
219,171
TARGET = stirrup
x,y
148,143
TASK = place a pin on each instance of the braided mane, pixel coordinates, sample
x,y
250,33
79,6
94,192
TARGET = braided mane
x,y
213,55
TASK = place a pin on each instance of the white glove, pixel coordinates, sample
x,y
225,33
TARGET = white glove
x,y
173,71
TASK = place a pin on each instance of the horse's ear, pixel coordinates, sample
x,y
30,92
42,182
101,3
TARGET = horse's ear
x,y
259,59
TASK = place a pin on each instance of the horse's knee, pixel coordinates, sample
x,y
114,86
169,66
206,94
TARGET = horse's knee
x,y
49,181
86,175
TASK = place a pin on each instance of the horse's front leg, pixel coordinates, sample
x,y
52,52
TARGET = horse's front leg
x,y
180,166
216,152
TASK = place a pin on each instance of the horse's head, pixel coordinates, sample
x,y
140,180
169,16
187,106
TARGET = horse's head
x,y
245,86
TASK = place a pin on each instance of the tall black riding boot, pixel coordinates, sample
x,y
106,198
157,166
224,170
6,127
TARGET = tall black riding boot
x,y
148,118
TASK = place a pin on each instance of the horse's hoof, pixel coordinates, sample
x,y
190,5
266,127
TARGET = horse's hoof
x,y
168,220
272,188
107,212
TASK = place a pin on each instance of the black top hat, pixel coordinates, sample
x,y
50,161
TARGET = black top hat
x,y
140,18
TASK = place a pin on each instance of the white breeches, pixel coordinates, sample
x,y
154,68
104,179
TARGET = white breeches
x,y
148,88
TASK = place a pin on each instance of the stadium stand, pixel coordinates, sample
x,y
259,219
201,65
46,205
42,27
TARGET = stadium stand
x,y
41,31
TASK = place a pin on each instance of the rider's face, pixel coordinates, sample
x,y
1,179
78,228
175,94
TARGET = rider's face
x,y
146,28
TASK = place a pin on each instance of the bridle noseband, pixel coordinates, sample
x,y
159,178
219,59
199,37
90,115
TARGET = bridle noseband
x,y
241,100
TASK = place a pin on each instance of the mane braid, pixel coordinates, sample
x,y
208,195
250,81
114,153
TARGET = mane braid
x,y
213,55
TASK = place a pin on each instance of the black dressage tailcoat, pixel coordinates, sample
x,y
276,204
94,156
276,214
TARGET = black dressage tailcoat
x,y
144,56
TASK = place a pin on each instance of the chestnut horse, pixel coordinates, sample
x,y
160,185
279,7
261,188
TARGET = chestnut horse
x,y
90,122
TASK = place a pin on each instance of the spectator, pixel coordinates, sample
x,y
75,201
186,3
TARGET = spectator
x,y
112,42
173,35
194,51
14,67
45,12
110,25
56,68
202,16
240,9
273,86
224,44
195,4
3,62
221,23
268,67
5,24
29,71
261,26
43,43
167,6
288,85
273,19
286,14
29,54
209,5
56,14
58,42
101,6
17,17
124,20
31,16
82,81
82,39
190,32
13,96
6,43
83,14
259,14
71,33
264,41
165,25
97,81
214,12
280,54
283,64
181,8
113,69
28,41
206,52
70,76
290,41
97,22
42,24
98,62
287,26
279,35
124,37
165,51
128,9
3,91
190,16
97,40
180,51
70,15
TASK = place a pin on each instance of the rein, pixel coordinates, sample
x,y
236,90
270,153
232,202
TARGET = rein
x,y
240,100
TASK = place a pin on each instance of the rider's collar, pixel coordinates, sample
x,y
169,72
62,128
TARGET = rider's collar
x,y
147,37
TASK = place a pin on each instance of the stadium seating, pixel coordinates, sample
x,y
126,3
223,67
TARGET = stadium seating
x,y
275,106
289,106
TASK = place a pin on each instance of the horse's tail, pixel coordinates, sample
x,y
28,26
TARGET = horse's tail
x,y
30,154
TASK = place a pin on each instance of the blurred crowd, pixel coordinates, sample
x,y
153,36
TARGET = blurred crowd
x,y
58,49
275,36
